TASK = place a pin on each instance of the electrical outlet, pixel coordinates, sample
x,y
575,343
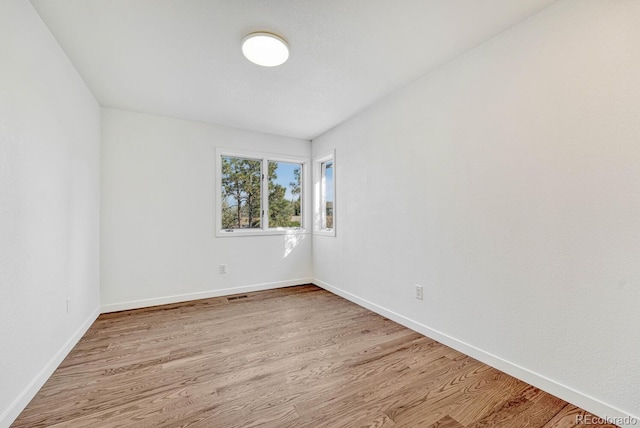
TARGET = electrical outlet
x,y
223,268
419,292
68,305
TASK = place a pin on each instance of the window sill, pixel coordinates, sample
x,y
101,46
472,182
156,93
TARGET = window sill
x,y
325,232
260,232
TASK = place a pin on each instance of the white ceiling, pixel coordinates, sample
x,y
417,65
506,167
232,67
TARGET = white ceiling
x,y
182,58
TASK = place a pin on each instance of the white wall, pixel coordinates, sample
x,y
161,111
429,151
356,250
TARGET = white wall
x,y
49,206
507,183
158,218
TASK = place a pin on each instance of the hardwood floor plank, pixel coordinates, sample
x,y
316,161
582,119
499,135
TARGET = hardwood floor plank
x,y
291,357
571,416
485,396
447,422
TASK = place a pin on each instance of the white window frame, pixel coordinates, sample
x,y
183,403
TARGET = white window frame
x,y
319,209
265,158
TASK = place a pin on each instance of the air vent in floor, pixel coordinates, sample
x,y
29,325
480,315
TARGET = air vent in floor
x,y
230,299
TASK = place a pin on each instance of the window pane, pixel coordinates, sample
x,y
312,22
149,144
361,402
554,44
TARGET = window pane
x,y
241,190
327,194
285,194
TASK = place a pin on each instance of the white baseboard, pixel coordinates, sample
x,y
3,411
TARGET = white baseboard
x,y
177,298
566,393
14,410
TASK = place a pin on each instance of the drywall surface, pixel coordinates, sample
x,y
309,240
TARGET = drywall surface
x,y
159,215
507,184
49,206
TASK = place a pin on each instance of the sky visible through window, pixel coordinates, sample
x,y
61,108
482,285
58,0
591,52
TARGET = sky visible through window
x,y
285,176
329,184
285,173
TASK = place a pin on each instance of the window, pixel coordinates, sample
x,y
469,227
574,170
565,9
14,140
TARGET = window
x,y
285,188
325,203
259,193
327,194
241,193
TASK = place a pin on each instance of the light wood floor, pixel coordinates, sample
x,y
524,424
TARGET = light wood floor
x,y
293,357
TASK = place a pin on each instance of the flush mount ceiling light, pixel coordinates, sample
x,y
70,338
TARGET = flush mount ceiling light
x,y
265,49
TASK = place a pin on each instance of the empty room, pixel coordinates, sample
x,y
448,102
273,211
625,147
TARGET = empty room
x,y
330,213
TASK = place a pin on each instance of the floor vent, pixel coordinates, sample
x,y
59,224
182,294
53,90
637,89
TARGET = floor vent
x,y
231,299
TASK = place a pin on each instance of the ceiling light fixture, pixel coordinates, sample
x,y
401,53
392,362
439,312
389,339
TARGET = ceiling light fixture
x,y
265,49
